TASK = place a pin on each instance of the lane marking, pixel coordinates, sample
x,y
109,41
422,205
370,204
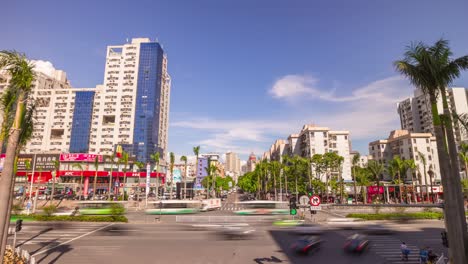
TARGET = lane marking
x,y
71,240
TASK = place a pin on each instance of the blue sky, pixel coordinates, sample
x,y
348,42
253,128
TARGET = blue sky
x,y
245,73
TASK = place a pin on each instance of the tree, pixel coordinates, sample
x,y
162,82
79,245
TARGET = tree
x,y
422,157
112,160
125,163
184,159
7,103
156,157
275,170
363,178
140,165
196,151
96,167
398,166
80,167
212,171
172,160
355,163
54,177
375,169
22,76
247,183
432,69
411,166
464,156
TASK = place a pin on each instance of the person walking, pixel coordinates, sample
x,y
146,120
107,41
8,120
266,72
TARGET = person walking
x,y
404,251
423,255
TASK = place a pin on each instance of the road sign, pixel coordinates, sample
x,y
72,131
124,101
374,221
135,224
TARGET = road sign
x,y
314,201
304,200
315,208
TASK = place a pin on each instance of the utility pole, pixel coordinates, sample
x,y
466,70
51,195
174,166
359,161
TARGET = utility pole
x,y
32,181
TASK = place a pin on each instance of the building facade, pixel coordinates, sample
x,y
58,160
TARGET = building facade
x,y
232,163
408,145
136,80
416,113
251,162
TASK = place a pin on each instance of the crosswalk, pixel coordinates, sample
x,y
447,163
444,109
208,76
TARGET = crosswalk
x,y
230,207
389,248
35,235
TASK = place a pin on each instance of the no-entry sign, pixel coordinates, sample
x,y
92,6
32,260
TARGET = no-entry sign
x,y
314,200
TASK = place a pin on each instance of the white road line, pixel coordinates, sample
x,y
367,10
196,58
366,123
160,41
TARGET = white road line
x,y
71,240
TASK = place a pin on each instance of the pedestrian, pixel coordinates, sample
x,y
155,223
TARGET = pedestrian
x,y
423,255
28,205
404,251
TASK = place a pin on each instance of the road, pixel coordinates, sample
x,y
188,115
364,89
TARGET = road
x,y
148,241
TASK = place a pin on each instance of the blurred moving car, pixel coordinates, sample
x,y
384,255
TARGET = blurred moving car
x,y
236,232
376,230
308,229
346,223
356,243
306,245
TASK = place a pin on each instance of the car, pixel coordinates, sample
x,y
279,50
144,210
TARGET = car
x,y
356,244
236,232
376,230
308,229
306,245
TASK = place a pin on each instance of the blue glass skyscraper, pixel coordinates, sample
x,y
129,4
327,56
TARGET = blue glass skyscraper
x,y
81,126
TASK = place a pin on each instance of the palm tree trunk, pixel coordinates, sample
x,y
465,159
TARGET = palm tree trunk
x,y
110,181
274,183
125,183
427,191
451,208
54,178
7,178
355,188
81,185
95,185
456,186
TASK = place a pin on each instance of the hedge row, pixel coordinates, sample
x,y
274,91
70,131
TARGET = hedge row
x,y
79,218
397,216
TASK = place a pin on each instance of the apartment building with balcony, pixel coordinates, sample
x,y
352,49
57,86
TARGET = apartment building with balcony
x,y
408,145
314,140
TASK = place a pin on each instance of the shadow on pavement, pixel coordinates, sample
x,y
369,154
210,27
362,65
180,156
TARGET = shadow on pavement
x,y
33,237
61,250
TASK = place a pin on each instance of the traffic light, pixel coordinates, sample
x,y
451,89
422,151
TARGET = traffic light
x,y
19,225
292,206
310,191
444,238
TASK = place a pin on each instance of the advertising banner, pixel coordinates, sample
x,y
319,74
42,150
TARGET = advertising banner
x,y
70,157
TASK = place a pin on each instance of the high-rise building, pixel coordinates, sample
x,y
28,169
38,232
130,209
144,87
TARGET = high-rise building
x,y
363,159
232,163
408,145
251,162
54,99
81,125
136,80
416,113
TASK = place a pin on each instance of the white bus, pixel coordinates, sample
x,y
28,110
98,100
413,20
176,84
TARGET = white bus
x,y
211,204
262,208
174,207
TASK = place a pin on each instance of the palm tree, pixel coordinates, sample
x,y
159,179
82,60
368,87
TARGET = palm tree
x,y
274,167
339,163
212,171
399,166
171,167
96,167
424,162
355,163
431,69
411,166
56,169
22,76
156,157
7,102
464,157
140,165
112,160
196,151
125,163
184,159
80,167
392,172
375,169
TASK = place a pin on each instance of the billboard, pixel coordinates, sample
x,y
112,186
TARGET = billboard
x,y
43,162
70,157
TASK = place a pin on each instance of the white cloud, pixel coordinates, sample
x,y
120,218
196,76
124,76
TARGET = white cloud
x,y
45,67
368,112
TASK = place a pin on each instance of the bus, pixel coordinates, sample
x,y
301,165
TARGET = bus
x,y
98,207
164,207
262,208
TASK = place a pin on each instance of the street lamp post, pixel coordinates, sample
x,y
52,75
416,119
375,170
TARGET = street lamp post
x,y
32,180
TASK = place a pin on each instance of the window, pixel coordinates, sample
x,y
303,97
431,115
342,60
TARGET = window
x,y
346,137
414,140
428,149
415,149
427,140
429,157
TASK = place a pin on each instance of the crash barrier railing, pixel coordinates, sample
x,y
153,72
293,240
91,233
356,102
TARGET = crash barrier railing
x,y
223,219
24,254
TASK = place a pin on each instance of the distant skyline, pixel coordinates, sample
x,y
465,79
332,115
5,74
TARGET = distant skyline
x,y
245,73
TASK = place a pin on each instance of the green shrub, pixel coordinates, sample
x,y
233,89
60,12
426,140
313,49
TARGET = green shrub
x,y
16,209
50,210
82,218
117,209
397,216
